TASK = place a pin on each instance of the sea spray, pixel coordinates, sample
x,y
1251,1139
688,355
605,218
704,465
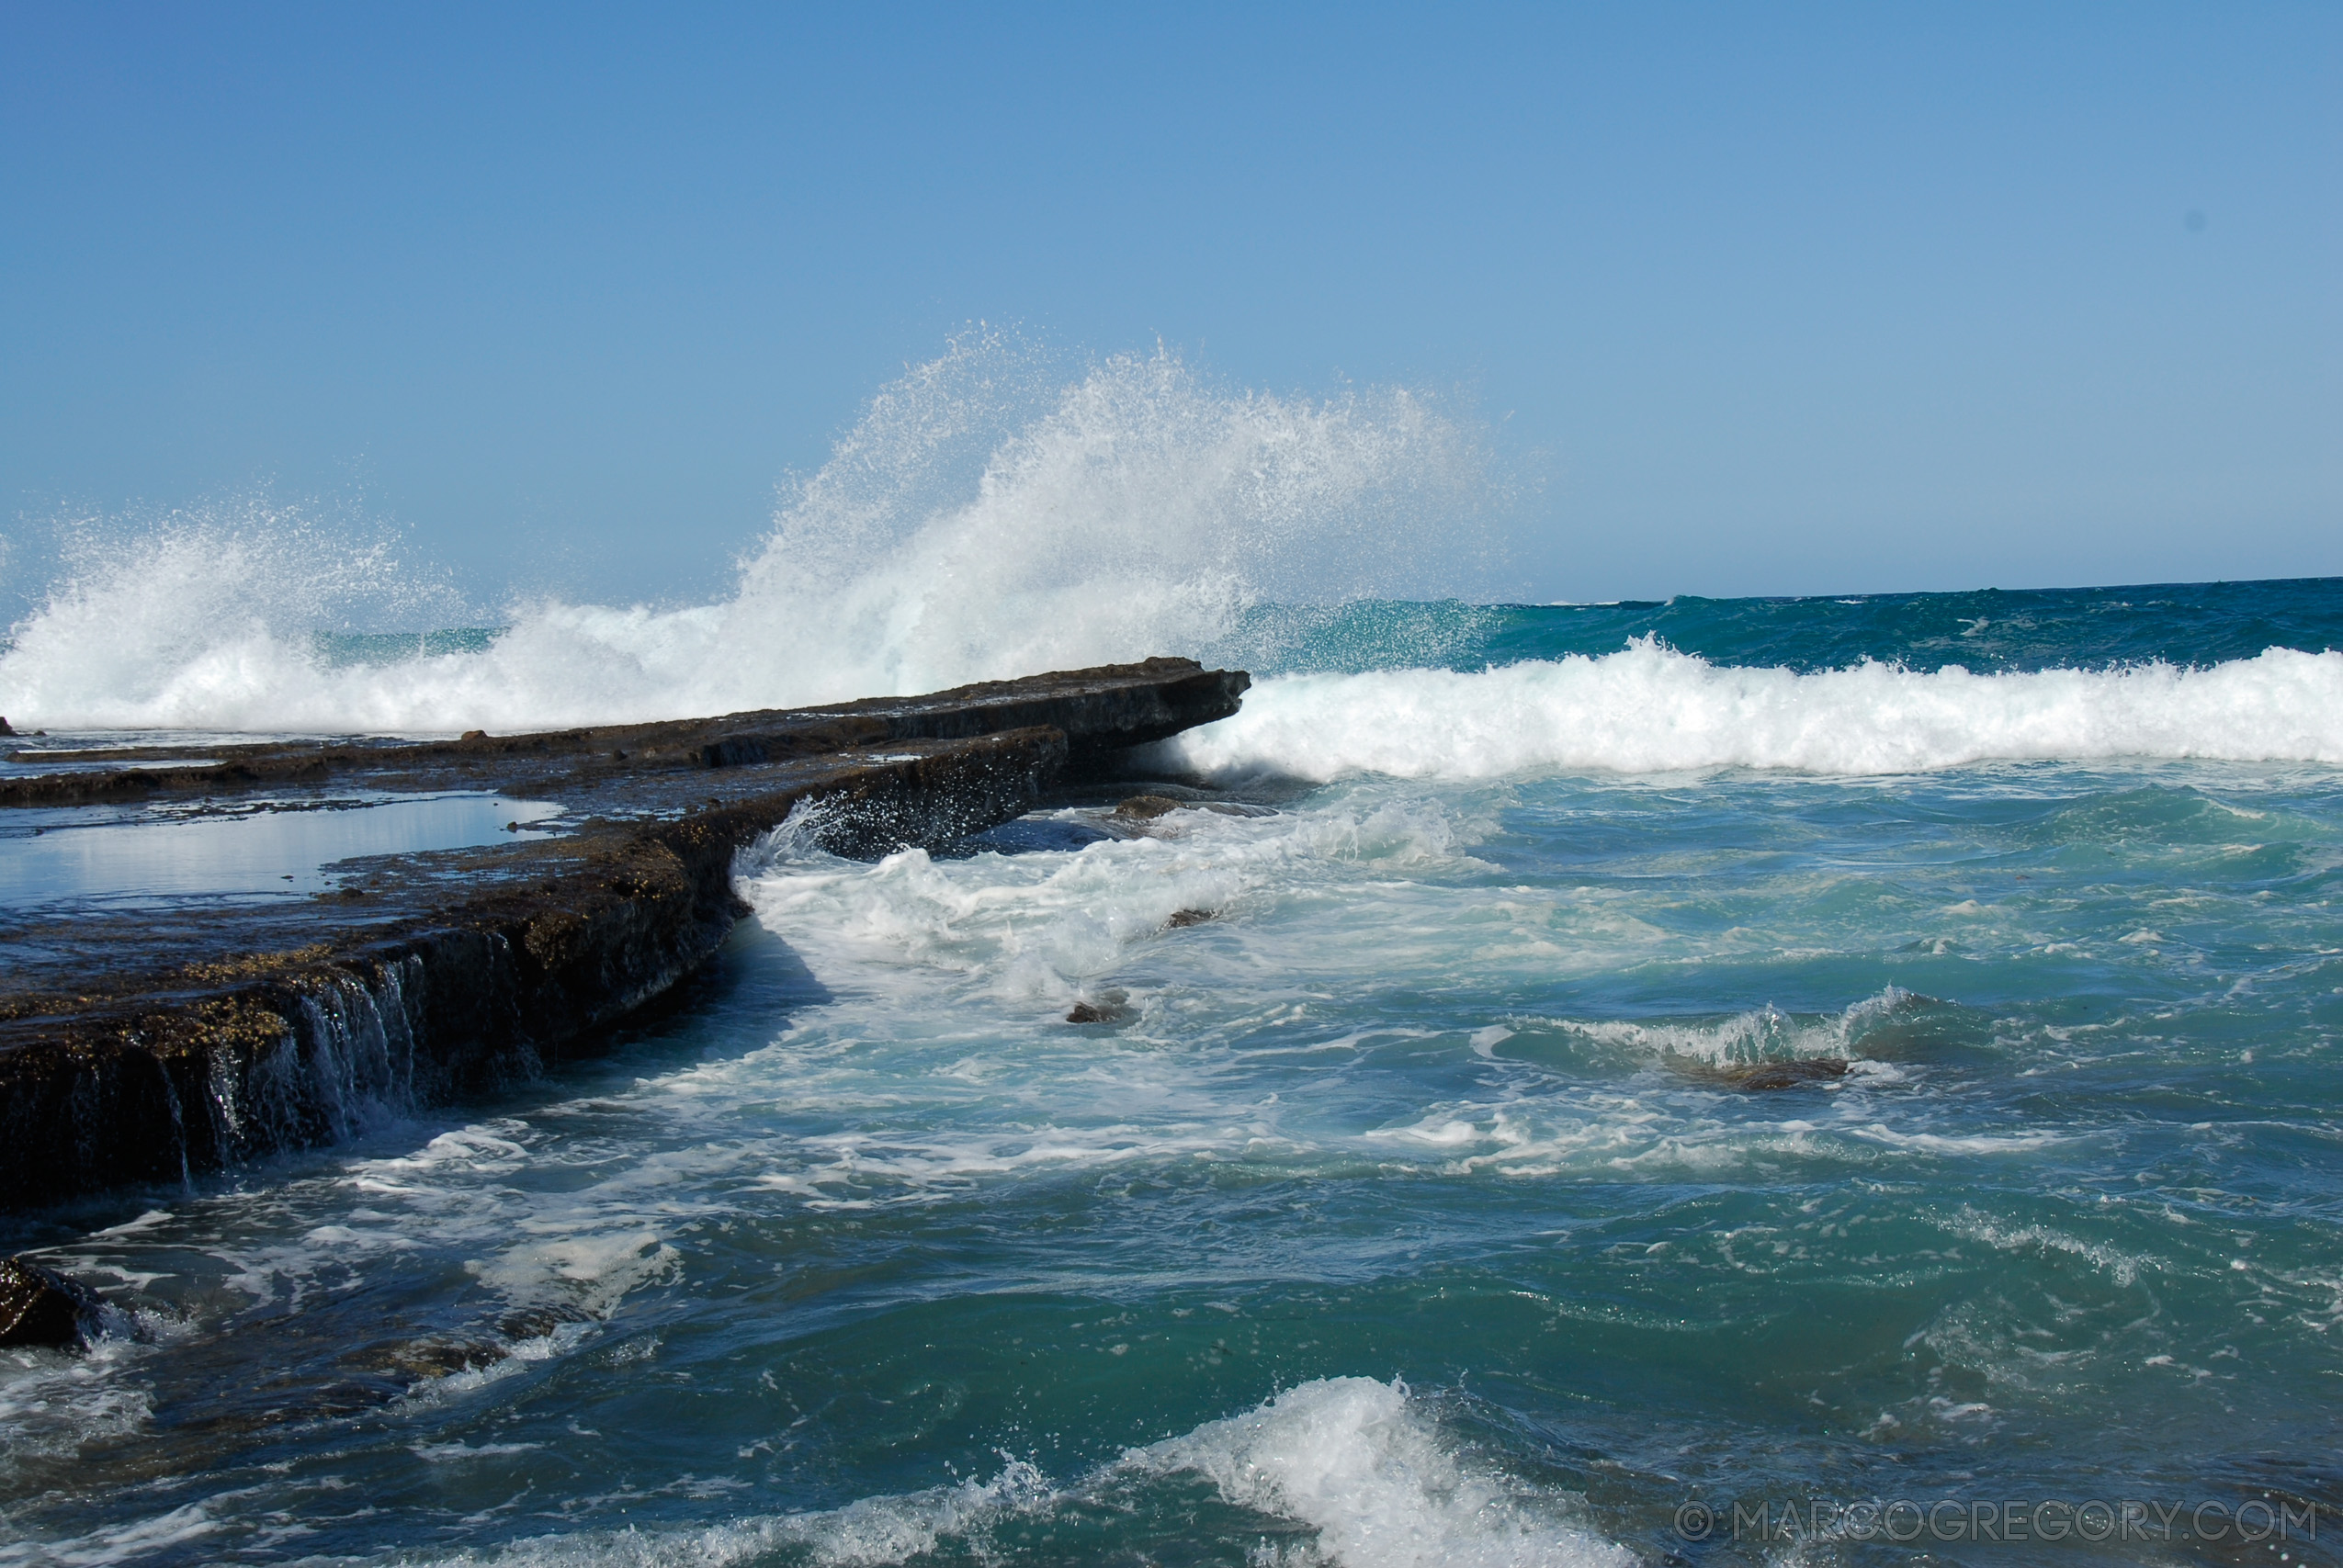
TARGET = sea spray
x,y
197,619
966,529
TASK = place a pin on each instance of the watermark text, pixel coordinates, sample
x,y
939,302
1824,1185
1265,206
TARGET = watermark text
x,y
2247,1521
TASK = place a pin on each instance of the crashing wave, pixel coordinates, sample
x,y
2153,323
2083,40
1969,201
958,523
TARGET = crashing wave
x,y
966,529
1651,709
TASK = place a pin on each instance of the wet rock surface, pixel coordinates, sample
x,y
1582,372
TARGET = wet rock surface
x,y
44,1309
149,1044
635,769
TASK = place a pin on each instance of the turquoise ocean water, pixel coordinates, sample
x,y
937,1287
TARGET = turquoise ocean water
x,y
1416,1206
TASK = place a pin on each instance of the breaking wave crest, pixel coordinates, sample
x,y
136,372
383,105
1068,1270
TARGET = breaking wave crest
x,y
1357,1462
983,520
1651,709
1764,1034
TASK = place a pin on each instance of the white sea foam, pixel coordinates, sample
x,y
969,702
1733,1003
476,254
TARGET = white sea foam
x,y
52,1403
178,1530
927,959
974,525
593,1269
2122,1266
1958,1143
1359,1461
1041,928
1651,709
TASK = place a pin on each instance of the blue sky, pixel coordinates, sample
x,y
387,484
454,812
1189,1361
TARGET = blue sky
x,y
1760,300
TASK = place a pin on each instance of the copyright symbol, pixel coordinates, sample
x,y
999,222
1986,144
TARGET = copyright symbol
x,y
1693,1521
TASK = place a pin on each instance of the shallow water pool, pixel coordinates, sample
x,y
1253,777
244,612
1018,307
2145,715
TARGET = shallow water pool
x,y
250,848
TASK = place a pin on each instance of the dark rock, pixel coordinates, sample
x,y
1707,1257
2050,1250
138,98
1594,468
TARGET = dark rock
x,y
1759,1078
39,1306
3,728
1147,807
1101,712
1027,834
1191,918
421,1361
1790,1075
473,735
1108,1006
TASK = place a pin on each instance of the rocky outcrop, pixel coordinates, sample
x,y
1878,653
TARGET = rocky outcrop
x,y
1101,712
474,968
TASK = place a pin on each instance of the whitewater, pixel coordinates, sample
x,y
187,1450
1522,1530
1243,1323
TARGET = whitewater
x,y
1565,1072
1135,511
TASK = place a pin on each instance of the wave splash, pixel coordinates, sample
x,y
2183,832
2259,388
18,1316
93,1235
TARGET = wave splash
x,y
1356,1459
982,520
1651,709
1762,1035
1358,1464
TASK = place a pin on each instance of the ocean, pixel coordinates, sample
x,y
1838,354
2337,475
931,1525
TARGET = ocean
x,y
1819,1080
1411,1204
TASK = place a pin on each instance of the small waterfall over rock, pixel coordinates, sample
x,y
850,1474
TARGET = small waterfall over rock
x,y
347,1063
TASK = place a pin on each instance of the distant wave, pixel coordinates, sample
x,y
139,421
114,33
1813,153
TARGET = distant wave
x,y
1650,709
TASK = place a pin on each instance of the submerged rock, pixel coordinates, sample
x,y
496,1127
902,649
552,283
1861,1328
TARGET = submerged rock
x,y
1790,1075
1757,1077
422,1361
1108,1006
1147,807
42,1307
1191,918
436,1356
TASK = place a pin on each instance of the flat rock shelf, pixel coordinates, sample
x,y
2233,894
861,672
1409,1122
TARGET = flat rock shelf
x,y
152,1040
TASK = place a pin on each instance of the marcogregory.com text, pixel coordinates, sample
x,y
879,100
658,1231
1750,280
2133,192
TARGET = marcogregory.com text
x,y
2095,1519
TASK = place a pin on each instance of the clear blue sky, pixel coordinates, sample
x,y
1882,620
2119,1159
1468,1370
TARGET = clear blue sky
x,y
1771,299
